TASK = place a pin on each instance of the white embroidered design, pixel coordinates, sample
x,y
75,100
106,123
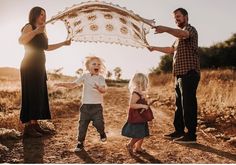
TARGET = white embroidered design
x,y
104,22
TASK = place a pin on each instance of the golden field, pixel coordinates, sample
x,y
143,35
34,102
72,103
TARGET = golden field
x,y
216,123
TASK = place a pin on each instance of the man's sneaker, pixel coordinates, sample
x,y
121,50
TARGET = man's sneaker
x,y
174,135
103,137
186,139
79,147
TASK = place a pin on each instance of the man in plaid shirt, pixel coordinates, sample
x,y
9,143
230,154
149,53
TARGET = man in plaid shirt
x,y
186,69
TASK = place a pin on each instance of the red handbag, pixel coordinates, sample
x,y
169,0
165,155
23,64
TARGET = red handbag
x,y
140,115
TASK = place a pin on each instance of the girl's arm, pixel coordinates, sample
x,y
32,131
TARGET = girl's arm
x,y
134,105
58,45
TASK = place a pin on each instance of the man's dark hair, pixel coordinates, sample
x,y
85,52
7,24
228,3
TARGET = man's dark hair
x,y
182,10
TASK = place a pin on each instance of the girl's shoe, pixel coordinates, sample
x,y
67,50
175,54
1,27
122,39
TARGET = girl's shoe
x,y
139,151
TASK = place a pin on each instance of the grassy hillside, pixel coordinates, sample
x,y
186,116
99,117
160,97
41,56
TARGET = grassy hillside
x,y
8,73
216,97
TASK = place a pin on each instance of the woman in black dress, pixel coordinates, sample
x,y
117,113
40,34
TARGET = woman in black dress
x,y
35,104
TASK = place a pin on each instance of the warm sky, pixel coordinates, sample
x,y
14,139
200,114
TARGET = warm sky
x,y
214,20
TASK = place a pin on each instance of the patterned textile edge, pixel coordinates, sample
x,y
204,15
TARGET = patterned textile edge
x,y
91,6
92,3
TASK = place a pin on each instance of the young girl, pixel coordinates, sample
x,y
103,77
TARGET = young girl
x,y
91,110
137,85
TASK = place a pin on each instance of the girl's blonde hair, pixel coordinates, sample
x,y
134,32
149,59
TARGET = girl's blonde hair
x,y
88,59
139,81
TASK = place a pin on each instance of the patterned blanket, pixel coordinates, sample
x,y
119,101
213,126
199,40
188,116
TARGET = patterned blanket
x,y
104,22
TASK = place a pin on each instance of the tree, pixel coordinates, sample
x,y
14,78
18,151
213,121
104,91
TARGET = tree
x,y
109,74
58,71
117,72
219,55
55,73
165,64
155,70
79,71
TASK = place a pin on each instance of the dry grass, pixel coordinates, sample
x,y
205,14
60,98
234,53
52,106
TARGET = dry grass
x,y
64,104
216,97
10,104
62,100
160,79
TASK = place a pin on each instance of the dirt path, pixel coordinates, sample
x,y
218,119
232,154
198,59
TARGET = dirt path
x,y
59,148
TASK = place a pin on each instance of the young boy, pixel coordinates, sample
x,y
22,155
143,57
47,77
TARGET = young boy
x,y
94,86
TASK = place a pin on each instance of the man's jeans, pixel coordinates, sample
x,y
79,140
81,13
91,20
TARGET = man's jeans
x,y
186,102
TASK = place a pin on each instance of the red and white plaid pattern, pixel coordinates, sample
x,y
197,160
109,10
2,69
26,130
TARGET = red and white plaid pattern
x,y
186,56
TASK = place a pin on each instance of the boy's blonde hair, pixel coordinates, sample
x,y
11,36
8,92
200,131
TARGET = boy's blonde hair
x,y
139,81
88,59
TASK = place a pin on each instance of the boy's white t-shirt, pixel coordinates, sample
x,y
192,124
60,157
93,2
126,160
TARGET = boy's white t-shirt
x,y
91,95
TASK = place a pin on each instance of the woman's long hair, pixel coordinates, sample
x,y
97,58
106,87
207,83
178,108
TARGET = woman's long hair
x,y
34,14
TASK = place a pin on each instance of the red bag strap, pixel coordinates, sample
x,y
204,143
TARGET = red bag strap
x,y
141,100
137,94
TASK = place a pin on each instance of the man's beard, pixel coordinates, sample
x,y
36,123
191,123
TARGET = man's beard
x,y
181,25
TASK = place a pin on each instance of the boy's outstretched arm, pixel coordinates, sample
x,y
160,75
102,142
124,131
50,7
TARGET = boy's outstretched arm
x,y
66,84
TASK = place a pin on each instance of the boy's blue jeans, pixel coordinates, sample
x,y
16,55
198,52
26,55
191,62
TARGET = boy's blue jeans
x,y
90,112
186,102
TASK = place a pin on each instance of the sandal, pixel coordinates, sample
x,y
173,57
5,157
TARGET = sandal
x,y
129,148
139,151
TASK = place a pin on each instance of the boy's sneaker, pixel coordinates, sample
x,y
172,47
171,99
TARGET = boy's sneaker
x,y
174,135
186,139
103,137
79,147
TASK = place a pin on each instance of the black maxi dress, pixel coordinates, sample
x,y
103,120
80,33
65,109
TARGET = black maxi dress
x,y
34,103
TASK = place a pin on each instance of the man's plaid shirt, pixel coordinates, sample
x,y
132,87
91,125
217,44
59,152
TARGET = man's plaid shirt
x,y
186,57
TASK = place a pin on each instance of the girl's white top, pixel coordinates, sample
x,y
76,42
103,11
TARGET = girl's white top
x,y
91,95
